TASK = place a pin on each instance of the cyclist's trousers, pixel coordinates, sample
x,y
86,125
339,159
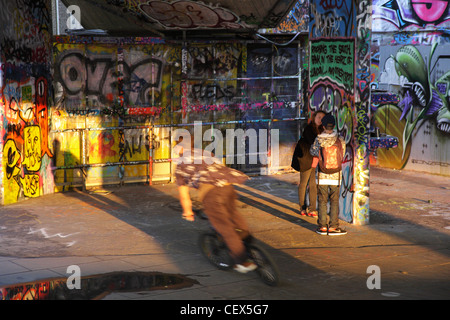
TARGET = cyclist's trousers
x,y
219,205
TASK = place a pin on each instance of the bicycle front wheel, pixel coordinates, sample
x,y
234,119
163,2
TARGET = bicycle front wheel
x,y
215,251
267,269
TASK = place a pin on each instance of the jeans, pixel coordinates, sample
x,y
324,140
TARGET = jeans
x,y
219,205
308,176
331,192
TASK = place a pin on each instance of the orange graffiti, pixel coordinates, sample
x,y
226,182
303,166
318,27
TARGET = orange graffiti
x,y
42,114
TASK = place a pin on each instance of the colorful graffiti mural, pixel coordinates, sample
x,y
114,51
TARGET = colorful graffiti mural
x,y
101,110
419,78
296,21
25,56
332,90
119,99
339,83
105,79
332,19
411,79
391,15
86,109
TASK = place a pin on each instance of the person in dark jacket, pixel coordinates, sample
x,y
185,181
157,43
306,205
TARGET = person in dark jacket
x,y
302,160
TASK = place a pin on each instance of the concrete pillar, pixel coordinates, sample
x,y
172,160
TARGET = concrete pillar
x,y
362,108
339,83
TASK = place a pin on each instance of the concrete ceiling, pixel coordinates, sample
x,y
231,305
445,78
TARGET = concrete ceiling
x,y
168,17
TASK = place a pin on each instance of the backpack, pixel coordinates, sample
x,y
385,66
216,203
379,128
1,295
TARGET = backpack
x,y
330,158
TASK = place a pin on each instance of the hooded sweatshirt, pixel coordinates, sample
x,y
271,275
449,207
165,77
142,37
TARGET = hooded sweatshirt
x,y
325,140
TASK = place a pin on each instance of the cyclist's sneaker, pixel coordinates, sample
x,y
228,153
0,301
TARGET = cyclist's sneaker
x,y
336,231
245,267
322,231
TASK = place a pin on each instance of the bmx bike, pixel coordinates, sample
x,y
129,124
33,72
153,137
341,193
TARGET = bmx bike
x,y
216,251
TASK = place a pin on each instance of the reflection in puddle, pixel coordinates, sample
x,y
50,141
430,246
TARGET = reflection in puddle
x,y
95,287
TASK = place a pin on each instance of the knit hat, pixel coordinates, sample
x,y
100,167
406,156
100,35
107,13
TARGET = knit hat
x,y
328,121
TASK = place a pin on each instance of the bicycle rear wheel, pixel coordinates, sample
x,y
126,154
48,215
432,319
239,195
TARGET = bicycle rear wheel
x,y
215,251
267,269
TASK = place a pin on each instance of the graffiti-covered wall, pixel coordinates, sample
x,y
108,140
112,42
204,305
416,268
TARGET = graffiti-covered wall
x,y
297,20
81,111
25,58
107,95
118,102
339,83
411,84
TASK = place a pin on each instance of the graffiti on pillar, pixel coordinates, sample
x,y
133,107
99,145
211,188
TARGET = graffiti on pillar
x,y
331,80
332,19
333,60
340,83
41,93
362,107
25,54
12,169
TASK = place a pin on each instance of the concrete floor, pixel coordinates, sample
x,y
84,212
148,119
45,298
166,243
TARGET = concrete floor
x,y
139,228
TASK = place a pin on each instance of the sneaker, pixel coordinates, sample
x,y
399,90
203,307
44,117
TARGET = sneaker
x,y
322,231
303,213
245,267
336,232
312,213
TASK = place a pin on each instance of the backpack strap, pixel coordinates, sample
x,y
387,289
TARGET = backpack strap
x,y
340,149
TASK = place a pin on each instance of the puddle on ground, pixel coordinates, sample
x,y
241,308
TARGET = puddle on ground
x,y
95,287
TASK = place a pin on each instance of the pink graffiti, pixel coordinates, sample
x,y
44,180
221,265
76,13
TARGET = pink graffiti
x,y
430,10
240,106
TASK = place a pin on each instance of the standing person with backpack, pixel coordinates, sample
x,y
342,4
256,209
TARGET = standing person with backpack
x,y
330,150
302,162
